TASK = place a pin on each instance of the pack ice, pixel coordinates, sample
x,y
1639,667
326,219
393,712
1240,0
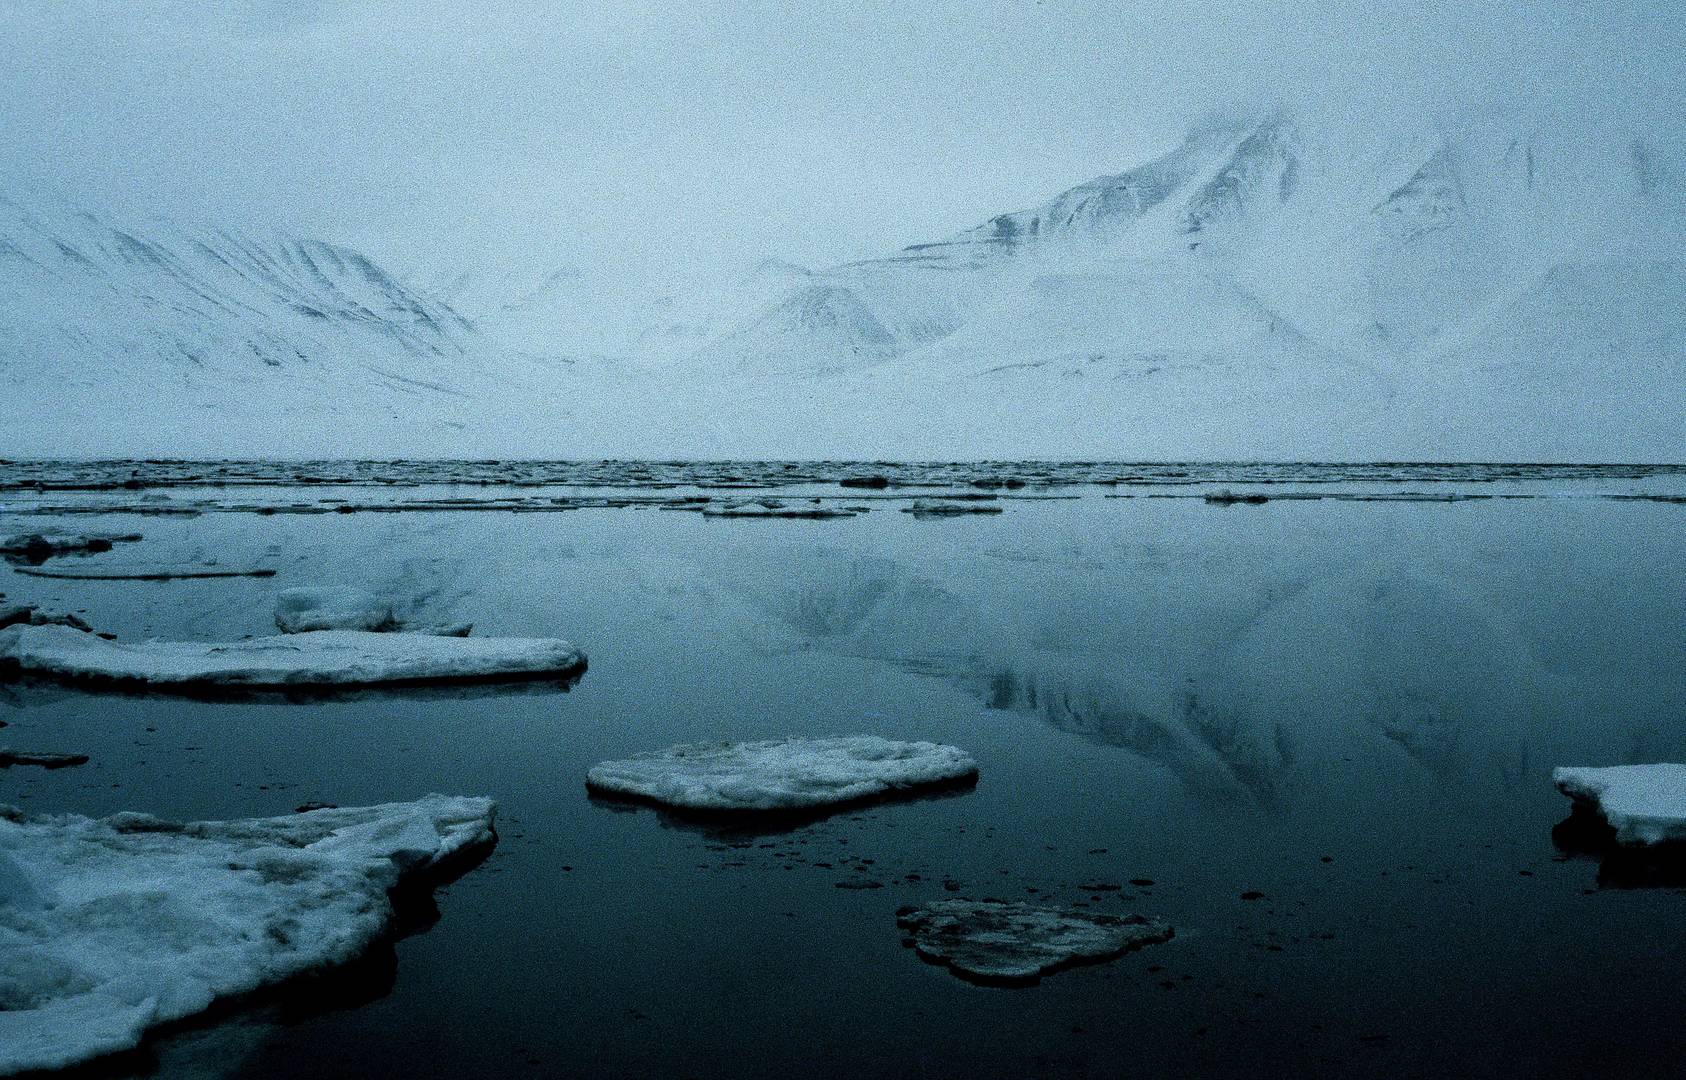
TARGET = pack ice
x,y
1645,804
993,941
315,659
110,927
782,774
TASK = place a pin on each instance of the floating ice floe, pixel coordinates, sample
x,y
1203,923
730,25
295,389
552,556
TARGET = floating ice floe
x,y
110,927
30,615
8,758
46,545
320,658
773,508
332,608
345,607
145,573
1644,804
993,941
782,774
949,508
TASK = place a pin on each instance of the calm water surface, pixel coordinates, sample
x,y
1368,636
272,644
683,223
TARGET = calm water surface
x,y
1350,706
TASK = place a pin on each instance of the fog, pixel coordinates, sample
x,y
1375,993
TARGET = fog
x,y
678,141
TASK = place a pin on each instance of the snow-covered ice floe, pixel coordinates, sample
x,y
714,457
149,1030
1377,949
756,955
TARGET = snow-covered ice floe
x,y
341,607
346,607
1644,804
946,508
320,658
993,941
46,545
110,927
782,774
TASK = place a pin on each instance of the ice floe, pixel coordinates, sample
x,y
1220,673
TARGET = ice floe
x,y
39,546
110,927
1644,804
342,607
782,774
319,658
774,508
8,758
30,615
948,508
993,941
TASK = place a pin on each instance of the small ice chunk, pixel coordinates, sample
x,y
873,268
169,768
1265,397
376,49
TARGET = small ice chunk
x,y
1645,804
774,508
315,659
45,545
110,927
993,941
948,508
8,758
782,774
342,607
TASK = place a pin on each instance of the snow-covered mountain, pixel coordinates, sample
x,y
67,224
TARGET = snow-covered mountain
x,y
1493,285
197,337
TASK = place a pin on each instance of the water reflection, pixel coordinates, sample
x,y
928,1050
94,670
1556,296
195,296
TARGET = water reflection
x,y
1584,834
746,825
35,691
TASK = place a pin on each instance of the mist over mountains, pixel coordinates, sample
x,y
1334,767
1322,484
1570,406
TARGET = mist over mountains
x,y
1497,285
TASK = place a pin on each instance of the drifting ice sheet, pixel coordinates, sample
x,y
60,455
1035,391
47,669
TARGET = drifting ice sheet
x,y
1645,804
782,774
110,927
332,608
999,942
45,545
318,658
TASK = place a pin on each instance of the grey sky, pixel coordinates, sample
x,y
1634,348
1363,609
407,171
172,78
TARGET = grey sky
x,y
708,135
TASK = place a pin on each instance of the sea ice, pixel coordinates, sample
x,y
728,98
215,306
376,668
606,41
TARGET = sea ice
x,y
342,607
782,774
773,508
1645,804
45,545
30,615
946,508
110,927
993,941
8,758
317,658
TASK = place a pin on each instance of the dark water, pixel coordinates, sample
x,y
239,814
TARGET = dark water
x,y
1349,705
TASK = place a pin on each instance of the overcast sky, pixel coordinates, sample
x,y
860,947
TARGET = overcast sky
x,y
707,135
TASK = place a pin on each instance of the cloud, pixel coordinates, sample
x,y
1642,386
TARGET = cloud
x,y
708,135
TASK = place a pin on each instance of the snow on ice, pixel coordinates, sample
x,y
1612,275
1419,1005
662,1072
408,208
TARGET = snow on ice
x,y
317,658
782,774
1645,804
110,927
341,607
992,941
